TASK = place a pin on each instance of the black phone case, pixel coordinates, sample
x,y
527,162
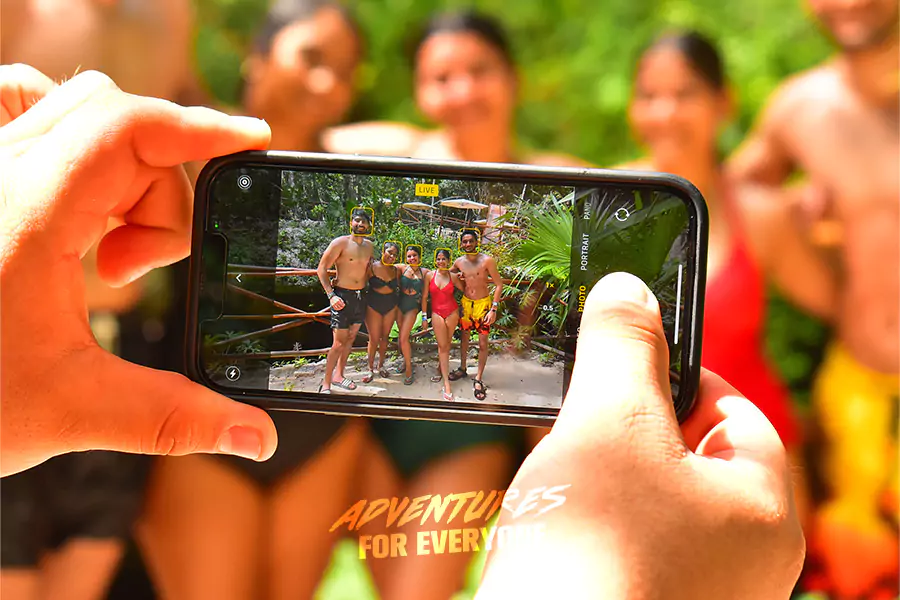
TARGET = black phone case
x,y
404,409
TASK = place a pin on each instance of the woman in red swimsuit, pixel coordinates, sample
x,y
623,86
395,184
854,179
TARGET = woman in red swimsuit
x,y
439,286
680,103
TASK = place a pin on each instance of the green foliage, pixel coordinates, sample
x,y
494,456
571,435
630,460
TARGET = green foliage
x,y
542,260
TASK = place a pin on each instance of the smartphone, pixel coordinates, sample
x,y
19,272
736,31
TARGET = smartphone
x,y
296,256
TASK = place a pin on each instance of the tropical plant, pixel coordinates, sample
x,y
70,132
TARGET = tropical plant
x,y
543,259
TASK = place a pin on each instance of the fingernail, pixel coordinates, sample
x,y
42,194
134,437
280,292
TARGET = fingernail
x,y
251,124
241,441
619,287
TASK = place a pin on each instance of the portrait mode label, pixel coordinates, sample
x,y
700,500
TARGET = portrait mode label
x,y
427,189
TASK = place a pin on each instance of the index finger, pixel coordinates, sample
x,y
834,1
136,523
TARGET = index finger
x,y
165,134
725,425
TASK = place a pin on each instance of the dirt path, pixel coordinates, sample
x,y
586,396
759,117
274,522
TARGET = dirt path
x,y
511,380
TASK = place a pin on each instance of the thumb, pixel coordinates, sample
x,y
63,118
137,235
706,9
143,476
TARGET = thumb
x,y
130,408
620,382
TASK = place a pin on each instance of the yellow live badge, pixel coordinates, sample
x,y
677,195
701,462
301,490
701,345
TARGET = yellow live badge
x,y
426,189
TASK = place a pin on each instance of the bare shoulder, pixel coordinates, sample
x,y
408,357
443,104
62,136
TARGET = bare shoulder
x,y
556,159
382,138
815,87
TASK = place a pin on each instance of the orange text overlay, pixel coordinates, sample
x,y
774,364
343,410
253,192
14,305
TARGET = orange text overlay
x,y
450,514
448,541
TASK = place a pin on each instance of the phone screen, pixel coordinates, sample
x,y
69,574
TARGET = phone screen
x,y
507,265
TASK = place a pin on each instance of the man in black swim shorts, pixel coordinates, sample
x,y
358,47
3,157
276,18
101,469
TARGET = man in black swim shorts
x,y
350,256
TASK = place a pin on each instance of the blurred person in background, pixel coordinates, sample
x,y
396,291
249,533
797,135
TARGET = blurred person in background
x,y
65,523
143,45
838,125
680,103
220,528
466,83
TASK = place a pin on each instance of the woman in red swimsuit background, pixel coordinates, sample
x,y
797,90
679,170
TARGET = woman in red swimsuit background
x,y
680,103
439,286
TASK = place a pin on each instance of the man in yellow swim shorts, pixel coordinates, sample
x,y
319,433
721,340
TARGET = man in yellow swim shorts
x,y
837,124
479,308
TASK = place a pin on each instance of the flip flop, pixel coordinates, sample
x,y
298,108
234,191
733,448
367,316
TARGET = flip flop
x,y
368,377
437,378
410,380
346,383
457,374
480,394
384,372
448,397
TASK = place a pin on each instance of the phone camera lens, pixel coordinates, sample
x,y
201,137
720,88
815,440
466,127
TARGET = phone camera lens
x,y
244,182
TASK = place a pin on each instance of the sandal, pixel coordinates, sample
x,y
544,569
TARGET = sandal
x,y
448,397
437,378
480,394
321,391
346,383
457,374
411,379
384,372
368,377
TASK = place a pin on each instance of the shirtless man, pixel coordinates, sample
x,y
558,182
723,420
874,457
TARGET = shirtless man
x,y
479,310
350,254
838,124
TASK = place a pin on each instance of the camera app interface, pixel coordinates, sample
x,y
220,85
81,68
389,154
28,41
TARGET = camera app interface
x,y
432,290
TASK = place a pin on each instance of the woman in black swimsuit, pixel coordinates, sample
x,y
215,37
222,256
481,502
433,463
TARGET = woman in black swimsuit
x,y
382,312
412,282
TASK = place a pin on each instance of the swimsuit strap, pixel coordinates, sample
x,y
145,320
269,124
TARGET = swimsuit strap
x,y
414,284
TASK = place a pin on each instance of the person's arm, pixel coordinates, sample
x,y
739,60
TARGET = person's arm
x,y
764,157
381,138
426,278
787,256
330,256
457,281
494,275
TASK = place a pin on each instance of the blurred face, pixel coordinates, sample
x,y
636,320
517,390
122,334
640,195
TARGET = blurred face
x,y
674,112
412,258
359,225
442,262
857,24
464,82
306,81
468,243
389,256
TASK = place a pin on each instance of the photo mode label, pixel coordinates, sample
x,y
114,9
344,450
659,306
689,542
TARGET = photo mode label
x,y
427,189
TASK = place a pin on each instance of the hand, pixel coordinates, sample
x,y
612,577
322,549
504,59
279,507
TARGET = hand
x,y
336,303
490,317
75,157
425,323
651,511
